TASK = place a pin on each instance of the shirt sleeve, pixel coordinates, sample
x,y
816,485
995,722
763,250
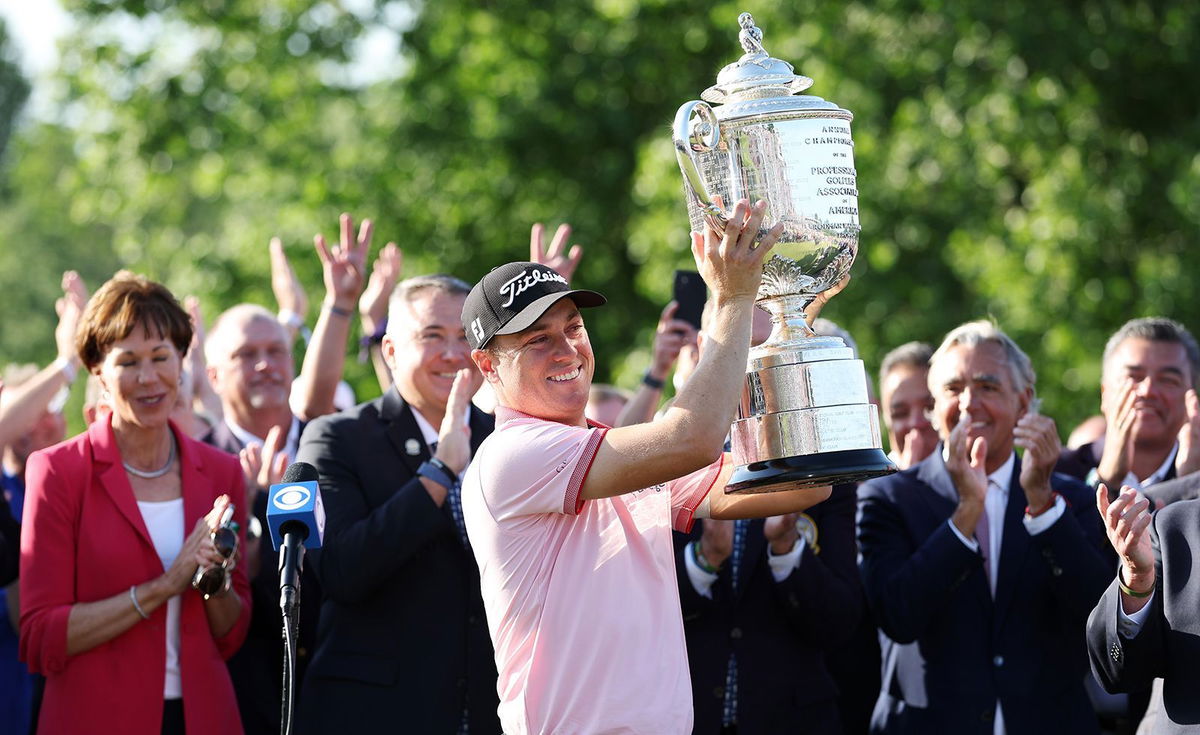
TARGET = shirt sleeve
x,y
1130,625
1036,525
784,564
538,467
701,580
970,543
689,491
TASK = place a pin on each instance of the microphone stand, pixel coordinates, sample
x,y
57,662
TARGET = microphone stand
x,y
291,559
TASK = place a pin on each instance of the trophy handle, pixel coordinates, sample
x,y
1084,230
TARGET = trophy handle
x,y
690,139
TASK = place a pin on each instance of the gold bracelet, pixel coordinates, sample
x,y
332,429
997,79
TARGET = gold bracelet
x,y
1130,591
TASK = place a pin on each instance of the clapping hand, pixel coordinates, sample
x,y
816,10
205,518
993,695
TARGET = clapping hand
x,y
1187,460
967,468
781,533
1125,521
1038,436
454,436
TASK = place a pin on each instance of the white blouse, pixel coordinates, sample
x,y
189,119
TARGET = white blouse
x,y
164,521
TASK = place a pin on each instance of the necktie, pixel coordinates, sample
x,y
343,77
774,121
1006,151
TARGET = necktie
x,y
983,535
454,500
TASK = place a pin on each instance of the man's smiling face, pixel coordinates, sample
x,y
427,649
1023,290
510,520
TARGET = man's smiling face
x,y
545,370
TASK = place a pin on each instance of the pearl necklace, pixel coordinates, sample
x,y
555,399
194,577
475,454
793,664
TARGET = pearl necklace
x,y
150,475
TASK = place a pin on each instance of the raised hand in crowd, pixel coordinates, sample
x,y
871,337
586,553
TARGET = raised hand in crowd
x,y
262,467
25,404
385,273
344,271
290,296
373,306
1125,521
557,256
1038,436
670,338
966,465
1187,459
197,365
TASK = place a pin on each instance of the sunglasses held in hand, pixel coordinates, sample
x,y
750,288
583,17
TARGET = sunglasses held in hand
x,y
216,579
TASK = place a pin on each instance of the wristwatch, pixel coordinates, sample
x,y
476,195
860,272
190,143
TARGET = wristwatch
x,y
438,471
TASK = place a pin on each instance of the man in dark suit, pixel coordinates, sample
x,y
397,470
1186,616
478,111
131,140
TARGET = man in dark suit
x,y
1152,415
1147,624
981,567
403,641
775,596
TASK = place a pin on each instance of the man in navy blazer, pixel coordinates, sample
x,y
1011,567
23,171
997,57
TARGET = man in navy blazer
x,y
1152,414
402,644
981,566
793,599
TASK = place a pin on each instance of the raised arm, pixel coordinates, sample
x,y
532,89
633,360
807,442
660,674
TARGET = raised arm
x,y
373,308
671,336
344,269
23,406
692,431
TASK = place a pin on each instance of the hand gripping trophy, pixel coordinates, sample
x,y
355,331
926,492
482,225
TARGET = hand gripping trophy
x,y
804,417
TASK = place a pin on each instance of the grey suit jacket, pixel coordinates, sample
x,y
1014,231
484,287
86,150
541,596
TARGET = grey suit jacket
x,y
1168,644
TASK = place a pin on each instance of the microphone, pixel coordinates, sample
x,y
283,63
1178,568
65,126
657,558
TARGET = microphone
x,y
296,519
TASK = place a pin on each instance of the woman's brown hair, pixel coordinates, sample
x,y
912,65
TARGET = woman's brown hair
x,y
126,301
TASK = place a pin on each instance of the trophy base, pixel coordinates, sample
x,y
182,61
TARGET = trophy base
x,y
813,470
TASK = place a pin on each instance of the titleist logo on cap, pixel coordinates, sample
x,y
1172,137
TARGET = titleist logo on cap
x,y
527,278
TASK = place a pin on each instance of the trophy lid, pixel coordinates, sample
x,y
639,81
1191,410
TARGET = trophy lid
x,y
758,82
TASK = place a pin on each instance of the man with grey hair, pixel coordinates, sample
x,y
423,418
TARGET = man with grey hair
x,y
403,642
981,566
1152,415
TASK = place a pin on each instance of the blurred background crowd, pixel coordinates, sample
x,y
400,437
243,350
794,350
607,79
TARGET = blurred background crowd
x,y
1033,164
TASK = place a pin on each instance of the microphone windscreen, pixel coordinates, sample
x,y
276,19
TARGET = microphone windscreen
x,y
294,506
299,472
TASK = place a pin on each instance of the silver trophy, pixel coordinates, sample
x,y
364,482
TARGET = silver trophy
x,y
804,417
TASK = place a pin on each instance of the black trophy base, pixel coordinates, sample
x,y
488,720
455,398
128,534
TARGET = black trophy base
x,y
812,470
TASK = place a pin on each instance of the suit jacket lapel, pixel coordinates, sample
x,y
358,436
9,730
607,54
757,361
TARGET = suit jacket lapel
x,y
943,500
402,430
113,478
1015,543
198,494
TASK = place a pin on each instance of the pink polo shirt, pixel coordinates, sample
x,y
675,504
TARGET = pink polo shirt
x,y
581,596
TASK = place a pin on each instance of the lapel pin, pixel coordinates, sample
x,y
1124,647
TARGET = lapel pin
x,y
413,447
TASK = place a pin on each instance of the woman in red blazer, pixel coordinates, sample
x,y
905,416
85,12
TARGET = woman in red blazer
x,y
117,521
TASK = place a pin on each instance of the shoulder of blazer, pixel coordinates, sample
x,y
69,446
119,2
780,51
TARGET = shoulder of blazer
x,y
209,457
69,456
1183,514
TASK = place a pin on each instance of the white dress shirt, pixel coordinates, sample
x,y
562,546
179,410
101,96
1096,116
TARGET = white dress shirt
x,y
995,504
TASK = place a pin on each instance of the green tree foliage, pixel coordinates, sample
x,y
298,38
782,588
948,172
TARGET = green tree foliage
x,y
1032,162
